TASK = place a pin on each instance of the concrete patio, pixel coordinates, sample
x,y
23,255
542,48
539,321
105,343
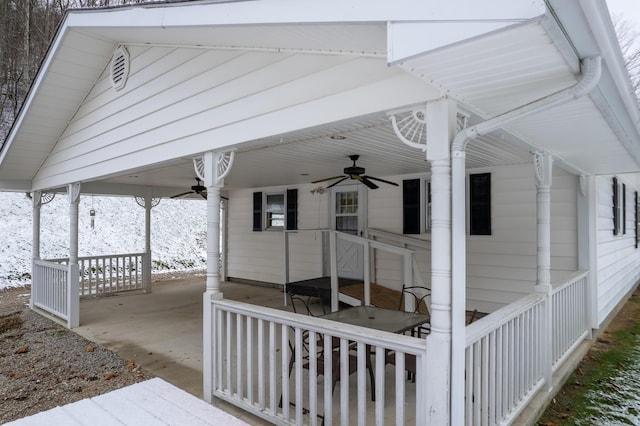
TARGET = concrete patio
x,y
162,331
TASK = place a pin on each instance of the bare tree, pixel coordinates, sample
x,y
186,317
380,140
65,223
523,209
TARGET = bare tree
x,y
627,37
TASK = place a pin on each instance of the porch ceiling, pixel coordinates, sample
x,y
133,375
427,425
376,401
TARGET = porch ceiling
x,y
488,75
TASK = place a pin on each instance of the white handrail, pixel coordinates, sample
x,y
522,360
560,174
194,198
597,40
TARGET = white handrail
x,y
506,355
258,363
399,238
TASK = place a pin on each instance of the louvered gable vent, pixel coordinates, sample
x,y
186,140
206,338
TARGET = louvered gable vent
x,y
119,68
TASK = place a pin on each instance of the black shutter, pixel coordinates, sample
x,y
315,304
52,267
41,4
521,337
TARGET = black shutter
x,y
480,204
616,230
257,211
637,222
411,206
624,208
292,209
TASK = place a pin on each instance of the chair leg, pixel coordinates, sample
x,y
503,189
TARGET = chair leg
x,y
373,382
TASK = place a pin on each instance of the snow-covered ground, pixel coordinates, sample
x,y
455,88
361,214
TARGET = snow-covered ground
x,y
178,232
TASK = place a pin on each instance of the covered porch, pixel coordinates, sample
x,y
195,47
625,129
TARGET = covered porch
x,y
477,167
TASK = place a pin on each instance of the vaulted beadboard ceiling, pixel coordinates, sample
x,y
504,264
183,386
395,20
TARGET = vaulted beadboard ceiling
x,y
488,75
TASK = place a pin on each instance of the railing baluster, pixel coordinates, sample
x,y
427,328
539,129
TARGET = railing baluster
x,y
272,367
249,355
285,372
400,388
380,386
313,380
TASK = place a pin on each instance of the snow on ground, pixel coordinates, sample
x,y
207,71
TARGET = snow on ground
x,y
616,401
178,232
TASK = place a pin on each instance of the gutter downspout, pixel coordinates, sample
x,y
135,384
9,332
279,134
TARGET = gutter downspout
x,y
591,71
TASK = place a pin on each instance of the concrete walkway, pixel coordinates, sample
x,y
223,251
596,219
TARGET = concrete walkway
x,y
162,331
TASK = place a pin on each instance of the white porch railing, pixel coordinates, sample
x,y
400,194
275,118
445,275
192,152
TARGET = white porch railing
x,y
109,274
54,289
506,351
250,369
570,318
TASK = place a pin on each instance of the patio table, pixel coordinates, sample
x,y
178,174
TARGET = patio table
x,y
393,321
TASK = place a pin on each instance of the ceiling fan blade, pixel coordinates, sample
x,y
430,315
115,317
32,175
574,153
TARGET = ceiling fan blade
x,y
381,180
366,181
326,179
203,195
335,183
181,195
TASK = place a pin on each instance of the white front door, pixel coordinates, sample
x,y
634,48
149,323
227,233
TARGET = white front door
x,y
349,207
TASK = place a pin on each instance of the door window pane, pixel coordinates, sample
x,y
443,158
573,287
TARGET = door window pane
x,y
347,212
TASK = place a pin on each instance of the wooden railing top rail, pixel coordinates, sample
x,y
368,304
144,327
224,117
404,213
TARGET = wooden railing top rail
x,y
497,319
569,280
102,256
399,238
51,264
365,335
374,244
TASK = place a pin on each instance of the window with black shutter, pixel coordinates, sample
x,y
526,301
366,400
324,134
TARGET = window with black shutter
x,y
480,204
275,210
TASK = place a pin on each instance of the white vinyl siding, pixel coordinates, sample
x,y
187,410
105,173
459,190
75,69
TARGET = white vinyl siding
x,y
181,102
618,261
259,256
500,267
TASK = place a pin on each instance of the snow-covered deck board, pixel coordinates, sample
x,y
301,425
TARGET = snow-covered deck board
x,y
153,402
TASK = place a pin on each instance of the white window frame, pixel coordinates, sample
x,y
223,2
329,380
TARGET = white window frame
x,y
268,220
425,202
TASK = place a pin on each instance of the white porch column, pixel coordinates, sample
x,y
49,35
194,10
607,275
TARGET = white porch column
x,y
36,199
146,272
212,169
587,241
441,122
73,298
148,202
543,168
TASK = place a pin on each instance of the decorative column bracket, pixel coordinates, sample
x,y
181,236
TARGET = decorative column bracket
x,y
142,202
223,161
543,168
410,126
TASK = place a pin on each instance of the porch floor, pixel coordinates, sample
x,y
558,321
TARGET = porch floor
x,y
162,331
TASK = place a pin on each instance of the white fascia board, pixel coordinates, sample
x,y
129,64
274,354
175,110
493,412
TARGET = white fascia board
x,y
192,14
451,25
589,29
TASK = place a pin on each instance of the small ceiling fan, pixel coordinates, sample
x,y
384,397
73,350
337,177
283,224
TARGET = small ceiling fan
x,y
195,189
357,173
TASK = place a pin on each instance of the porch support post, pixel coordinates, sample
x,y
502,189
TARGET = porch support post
x,y
441,120
36,199
543,168
587,238
73,294
212,169
146,264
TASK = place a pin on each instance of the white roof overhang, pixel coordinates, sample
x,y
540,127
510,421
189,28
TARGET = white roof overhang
x,y
490,59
